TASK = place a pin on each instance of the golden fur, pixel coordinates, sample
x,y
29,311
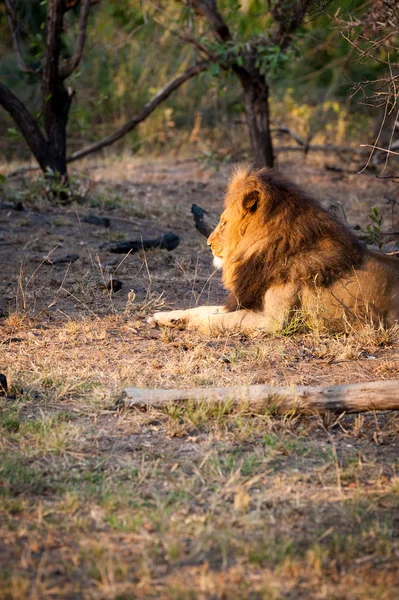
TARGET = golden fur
x,y
283,255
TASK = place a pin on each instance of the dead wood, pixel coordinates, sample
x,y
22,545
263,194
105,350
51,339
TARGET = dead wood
x,y
58,260
167,241
3,385
204,222
352,398
96,220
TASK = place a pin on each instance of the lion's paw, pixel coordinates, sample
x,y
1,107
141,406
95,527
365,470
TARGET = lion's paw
x,y
174,318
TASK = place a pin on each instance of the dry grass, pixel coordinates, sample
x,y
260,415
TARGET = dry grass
x,y
191,502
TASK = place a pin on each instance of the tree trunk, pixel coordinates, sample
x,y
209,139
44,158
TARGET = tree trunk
x,y
49,148
56,124
256,104
51,153
56,98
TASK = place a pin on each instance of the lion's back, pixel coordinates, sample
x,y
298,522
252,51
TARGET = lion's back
x,y
369,292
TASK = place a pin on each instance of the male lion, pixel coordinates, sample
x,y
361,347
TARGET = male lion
x,y
283,255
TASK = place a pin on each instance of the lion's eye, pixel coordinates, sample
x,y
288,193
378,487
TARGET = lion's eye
x,y
222,224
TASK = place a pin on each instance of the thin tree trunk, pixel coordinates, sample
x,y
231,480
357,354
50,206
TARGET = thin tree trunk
x,y
56,99
256,104
57,124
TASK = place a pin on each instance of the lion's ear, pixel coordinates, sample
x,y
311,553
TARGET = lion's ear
x,y
250,201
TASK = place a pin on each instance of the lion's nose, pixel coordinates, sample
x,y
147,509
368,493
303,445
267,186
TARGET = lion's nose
x,y
209,241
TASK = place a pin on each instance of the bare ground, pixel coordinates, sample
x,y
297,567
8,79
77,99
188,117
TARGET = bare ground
x,y
192,502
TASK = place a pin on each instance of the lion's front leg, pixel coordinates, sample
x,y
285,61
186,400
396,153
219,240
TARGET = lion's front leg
x,y
212,319
182,319
240,320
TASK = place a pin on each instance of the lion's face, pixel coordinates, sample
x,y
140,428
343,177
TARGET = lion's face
x,y
216,242
238,218
226,236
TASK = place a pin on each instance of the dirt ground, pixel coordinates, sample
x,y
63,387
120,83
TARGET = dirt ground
x,y
191,502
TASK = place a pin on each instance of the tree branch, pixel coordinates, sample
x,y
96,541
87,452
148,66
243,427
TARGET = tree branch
x,y
287,23
70,65
73,3
284,129
209,11
147,109
27,124
11,11
379,148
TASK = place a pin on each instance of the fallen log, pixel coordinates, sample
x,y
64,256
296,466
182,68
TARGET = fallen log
x,y
59,260
167,241
96,220
352,398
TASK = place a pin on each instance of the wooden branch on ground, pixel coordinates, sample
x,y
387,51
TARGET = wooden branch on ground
x,y
167,241
352,398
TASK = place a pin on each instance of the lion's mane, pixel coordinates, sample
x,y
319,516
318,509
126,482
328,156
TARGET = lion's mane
x,y
288,237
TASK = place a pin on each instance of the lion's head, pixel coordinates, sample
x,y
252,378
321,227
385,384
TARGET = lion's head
x,y
242,200
272,232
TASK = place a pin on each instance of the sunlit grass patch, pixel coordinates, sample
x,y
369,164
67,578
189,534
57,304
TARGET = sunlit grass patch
x,y
201,413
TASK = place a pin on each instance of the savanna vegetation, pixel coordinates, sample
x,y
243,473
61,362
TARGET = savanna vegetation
x,y
136,111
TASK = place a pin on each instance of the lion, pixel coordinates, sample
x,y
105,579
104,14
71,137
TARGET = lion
x,y
283,256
